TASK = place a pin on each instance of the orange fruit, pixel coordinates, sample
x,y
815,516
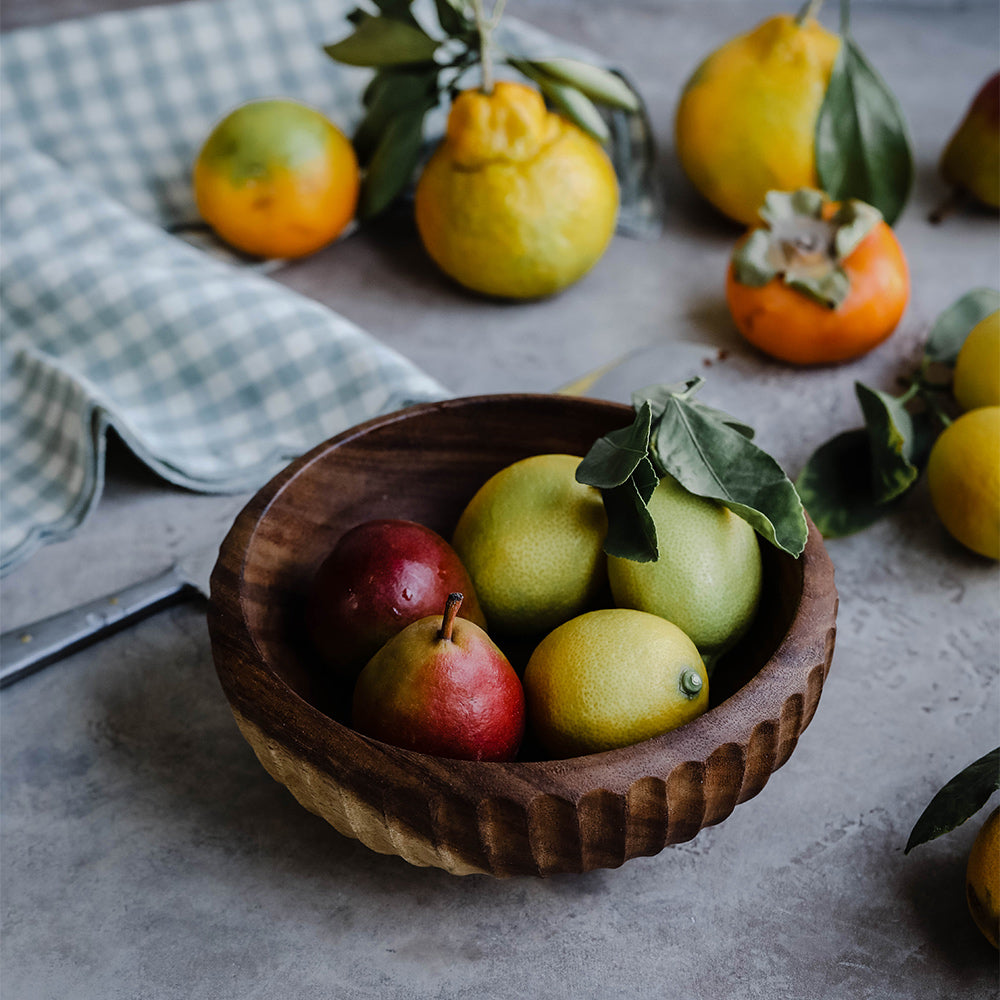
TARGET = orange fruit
x,y
276,178
789,325
516,201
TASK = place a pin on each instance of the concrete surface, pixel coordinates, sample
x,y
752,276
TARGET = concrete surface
x,y
145,854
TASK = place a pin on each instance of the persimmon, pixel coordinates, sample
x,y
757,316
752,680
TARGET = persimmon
x,y
819,282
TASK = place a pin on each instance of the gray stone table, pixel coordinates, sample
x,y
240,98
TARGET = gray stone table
x,y
145,854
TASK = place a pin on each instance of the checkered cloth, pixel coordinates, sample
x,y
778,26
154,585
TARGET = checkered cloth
x,y
214,375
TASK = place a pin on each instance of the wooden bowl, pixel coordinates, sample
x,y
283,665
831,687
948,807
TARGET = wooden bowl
x,y
532,817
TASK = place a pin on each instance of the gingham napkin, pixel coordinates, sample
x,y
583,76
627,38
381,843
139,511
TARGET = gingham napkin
x,y
213,374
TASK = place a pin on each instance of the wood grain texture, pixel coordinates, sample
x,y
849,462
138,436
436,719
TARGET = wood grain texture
x,y
531,816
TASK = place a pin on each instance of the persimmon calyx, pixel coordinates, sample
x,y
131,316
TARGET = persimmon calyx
x,y
805,244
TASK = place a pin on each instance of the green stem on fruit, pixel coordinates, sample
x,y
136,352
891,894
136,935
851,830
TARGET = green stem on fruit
x,y
809,10
450,612
485,27
929,396
691,683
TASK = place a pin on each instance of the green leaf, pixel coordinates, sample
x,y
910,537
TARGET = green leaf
x,y
712,459
737,425
835,485
452,18
631,532
953,325
890,433
383,41
926,430
598,84
959,799
391,93
613,458
577,107
393,163
398,10
862,147
707,451
660,396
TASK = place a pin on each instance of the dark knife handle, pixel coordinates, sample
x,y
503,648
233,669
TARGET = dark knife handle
x,y
24,650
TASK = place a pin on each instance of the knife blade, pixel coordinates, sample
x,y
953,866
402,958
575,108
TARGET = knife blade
x,y
31,647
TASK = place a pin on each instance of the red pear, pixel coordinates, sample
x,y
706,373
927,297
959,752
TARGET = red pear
x,y
442,687
381,576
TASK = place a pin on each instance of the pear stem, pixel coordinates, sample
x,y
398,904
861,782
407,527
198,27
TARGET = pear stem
x,y
942,211
450,612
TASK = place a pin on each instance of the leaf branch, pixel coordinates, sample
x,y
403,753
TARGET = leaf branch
x,y
705,450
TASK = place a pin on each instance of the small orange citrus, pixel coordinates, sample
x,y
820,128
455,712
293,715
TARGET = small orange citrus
x,y
276,178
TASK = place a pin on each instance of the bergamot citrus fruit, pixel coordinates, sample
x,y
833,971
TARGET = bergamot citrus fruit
x,y
516,202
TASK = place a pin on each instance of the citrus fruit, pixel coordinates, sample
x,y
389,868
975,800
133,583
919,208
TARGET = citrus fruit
x,y
531,539
610,678
746,119
707,577
982,879
276,178
963,473
977,369
819,307
516,201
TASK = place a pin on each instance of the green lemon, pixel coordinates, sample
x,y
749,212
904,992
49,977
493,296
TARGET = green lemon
x,y
610,678
708,575
531,539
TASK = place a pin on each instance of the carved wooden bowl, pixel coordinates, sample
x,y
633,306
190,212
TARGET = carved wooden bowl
x,y
530,816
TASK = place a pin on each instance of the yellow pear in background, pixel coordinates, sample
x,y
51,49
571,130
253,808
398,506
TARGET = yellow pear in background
x,y
971,160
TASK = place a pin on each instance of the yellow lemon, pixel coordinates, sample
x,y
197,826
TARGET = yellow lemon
x,y
963,474
532,540
610,678
977,369
276,178
746,119
707,578
516,202
982,879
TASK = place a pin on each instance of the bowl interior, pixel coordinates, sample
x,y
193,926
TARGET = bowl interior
x,y
425,464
